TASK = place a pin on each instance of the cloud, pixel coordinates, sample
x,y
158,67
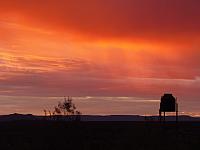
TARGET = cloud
x,y
119,75
41,76
145,20
82,84
99,47
37,64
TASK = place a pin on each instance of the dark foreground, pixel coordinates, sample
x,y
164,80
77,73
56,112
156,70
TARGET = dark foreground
x,y
44,135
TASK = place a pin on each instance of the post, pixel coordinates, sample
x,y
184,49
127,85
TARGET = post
x,y
176,111
164,116
160,115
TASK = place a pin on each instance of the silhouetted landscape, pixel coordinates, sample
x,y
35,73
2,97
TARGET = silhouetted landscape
x,y
97,133
96,118
67,128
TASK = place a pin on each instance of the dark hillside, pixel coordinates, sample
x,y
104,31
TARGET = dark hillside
x,y
47,135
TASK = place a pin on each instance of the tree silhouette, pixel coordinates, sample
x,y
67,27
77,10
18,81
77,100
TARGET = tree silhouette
x,y
67,108
45,112
57,110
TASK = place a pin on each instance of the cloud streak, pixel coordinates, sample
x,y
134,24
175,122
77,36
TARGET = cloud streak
x,y
39,76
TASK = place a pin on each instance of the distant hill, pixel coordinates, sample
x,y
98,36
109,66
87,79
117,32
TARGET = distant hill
x,y
18,117
135,118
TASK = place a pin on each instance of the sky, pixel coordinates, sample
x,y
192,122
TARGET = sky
x,y
113,56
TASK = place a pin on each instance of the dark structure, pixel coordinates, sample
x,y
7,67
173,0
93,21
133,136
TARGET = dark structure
x,y
168,104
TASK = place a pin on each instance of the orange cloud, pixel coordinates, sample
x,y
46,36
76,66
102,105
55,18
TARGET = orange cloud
x,y
172,21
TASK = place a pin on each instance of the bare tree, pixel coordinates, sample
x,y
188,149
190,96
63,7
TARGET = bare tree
x,y
57,111
50,113
45,112
67,107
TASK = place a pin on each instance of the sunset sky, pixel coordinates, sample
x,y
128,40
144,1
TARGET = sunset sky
x,y
113,56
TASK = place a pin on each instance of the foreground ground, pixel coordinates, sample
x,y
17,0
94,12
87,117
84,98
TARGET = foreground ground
x,y
44,135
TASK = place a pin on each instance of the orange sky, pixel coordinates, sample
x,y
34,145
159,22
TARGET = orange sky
x,y
138,48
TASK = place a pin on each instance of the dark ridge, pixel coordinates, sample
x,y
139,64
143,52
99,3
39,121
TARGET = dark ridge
x,y
15,117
